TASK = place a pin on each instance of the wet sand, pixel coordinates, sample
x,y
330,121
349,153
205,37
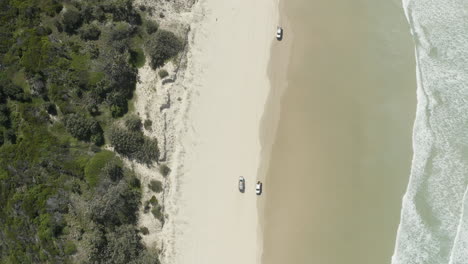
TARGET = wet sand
x,y
341,154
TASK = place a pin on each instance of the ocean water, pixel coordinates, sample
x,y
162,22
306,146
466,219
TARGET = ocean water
x,y
434,221
341,158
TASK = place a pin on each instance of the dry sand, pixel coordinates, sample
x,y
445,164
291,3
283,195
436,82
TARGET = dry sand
x,y
207,120
227,73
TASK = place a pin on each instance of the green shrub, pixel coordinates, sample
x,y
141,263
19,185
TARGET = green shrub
x,y
123,245
84,128
121,30
137,57
144,230
70,248
126,142
97,139
115,204
153,201
155,186
89,32
148,152
146,207
113,170
148,124
163,74
157,212
151,27
162,46
164,170
133,123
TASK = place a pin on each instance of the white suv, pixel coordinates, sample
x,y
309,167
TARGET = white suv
x,y
241,184
258,188
279,33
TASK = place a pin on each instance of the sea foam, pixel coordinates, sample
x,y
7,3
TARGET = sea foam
x,y
434,218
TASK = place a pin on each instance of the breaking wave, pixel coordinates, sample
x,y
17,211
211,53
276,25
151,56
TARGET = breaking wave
x,y
434,218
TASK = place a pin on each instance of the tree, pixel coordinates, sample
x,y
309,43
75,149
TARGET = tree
x,y
162,46
71,20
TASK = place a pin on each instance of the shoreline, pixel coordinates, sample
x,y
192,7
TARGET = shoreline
x,y
280,52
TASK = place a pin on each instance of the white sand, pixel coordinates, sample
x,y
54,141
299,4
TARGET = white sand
x,y
208,126
227,74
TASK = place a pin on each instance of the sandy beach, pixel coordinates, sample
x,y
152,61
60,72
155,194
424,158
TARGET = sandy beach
x,y
226,73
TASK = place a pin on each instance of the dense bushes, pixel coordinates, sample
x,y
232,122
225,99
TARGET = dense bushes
x,y
162,46
134,144
89,32
84,128
126,142
133,123
67,69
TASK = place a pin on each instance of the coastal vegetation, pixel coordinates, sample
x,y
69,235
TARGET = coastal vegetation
x,y
67,72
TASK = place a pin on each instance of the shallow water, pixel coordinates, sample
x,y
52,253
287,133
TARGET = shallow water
x,y
342,153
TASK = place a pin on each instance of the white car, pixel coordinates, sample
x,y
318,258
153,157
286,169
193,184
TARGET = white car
x,y
258,188
279,33
241,184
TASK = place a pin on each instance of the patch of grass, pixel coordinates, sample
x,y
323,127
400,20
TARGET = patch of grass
x,y
95,165
95,77
80,62
19,79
